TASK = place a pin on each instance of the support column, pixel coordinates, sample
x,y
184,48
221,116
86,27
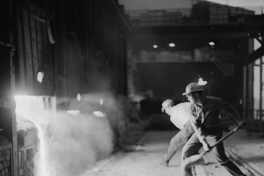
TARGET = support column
x,y
245,92
260,87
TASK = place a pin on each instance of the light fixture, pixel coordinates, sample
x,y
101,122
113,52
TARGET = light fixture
x,y
99,114
40,76
79,97
212,43
155,46
171,45
101,101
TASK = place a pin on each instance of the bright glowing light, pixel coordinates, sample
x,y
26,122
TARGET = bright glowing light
x,y
79,97
172,45
155,46
99,114
212,43
101,101
40,76
63,136
43,168
26,108
202,82
73,112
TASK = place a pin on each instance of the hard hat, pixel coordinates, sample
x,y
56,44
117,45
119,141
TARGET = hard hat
x,y
192,87
166,103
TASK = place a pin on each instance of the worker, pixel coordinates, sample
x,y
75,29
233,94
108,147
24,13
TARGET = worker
x,y
206,125
180,119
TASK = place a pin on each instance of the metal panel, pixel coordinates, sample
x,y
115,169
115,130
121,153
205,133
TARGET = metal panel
x,y
34,54
26,50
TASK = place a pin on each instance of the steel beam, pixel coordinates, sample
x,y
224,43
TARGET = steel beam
x,y
253,56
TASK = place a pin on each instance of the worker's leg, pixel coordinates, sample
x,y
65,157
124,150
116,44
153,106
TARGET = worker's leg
x,y
191,148
219,154
177,141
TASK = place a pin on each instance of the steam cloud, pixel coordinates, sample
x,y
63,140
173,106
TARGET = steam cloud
x,y
74,141
78,141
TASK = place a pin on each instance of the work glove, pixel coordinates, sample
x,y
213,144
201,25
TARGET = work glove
x,y
205,146
164,161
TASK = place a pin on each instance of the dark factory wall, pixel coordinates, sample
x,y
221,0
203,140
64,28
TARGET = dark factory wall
x,y
5,93
8,136
5,21
34,51
168,80
79,45
95,47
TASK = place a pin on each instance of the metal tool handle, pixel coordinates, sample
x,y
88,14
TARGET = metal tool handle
x,y
223,138
191,159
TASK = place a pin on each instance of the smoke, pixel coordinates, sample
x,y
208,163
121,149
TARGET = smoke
x,y
72,141
113,106
78,141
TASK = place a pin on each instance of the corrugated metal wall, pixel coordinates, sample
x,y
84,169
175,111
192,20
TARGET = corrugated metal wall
x,y
34,52
88,53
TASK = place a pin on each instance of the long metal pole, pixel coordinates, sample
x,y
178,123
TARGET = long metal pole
x,y
192,159
260,87
14,160
245,90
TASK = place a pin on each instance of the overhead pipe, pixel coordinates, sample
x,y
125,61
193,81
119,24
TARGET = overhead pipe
x,y
46,19
7,44
51,38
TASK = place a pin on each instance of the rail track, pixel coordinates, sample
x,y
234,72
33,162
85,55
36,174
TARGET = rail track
x,y
209,168
251,171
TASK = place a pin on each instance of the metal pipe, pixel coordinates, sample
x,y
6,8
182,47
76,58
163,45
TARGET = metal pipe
x,y
7,44
260,87
192,159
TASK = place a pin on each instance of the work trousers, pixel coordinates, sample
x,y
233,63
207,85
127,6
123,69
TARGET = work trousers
x,y
193,146
178,140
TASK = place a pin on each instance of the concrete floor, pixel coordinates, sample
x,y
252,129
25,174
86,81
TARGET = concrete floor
x,y
141,159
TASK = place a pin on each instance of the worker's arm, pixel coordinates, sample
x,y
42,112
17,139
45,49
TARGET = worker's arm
x,y
174,118
196,124
177,124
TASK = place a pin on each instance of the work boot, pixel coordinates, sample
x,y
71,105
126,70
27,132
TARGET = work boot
x,y
188,171
164,163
